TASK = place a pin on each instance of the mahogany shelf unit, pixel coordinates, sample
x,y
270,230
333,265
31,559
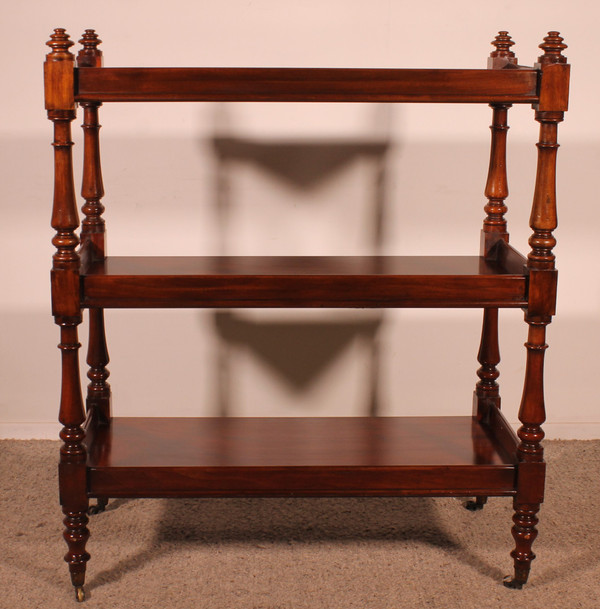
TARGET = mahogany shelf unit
x,y
474,455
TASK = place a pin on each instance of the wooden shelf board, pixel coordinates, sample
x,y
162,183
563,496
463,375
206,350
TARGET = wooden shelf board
x,y
329,456
307,84
302,281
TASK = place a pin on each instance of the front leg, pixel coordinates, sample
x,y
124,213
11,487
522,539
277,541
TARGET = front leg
x,y
524,533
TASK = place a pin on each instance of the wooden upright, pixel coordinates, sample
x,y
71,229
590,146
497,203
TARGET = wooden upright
x,y
477,455
66,306
549,111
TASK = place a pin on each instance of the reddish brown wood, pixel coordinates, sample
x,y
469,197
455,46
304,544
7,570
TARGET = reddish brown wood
x,y
502,56
99,393
496,189
89,56
92,189
459,456
319,281
538,314
93,233
554,89
487,392
308,456
531,414
65,304
59,79
306,84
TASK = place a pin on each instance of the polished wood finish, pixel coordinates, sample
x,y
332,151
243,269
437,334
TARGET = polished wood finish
x,y
502,55
542,303
477,455
325,281
305,84
487,390
93,230
298,456
496,188
58,72
494,241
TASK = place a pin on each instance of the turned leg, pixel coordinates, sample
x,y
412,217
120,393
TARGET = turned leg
x,y
531,467
72,466
524,534
76,535
66,306
539,312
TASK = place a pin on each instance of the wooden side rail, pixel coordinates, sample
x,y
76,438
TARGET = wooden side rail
x,y
306,84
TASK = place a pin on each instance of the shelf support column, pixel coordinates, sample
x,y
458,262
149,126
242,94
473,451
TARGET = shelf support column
x,y
60,104
494,229
487,393
93,236
541,307
496,189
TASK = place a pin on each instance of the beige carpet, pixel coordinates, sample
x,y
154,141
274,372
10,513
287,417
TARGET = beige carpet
x,y
302,553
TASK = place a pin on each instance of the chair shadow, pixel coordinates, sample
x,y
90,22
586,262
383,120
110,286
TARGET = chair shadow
x,y
211,522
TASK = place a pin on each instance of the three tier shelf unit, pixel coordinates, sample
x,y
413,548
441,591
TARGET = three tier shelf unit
x,y
477,455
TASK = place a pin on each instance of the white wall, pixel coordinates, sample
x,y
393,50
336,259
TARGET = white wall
x,y
437,168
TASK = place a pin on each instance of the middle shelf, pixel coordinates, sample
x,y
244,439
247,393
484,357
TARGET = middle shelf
x,y
306,281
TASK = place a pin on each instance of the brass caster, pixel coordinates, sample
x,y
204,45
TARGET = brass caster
x,y
80,594
511,582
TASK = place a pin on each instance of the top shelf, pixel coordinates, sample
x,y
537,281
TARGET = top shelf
x,y
306,85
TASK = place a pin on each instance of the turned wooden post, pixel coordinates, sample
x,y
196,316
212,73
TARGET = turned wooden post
x,y
59,79
487,394
487,391
494,230
542,281
93,235
92,189
496,188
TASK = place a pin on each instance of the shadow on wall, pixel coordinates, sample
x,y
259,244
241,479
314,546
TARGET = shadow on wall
x,y
299,349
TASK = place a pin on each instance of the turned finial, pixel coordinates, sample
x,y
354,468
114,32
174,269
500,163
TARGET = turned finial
x,y
90,55
502,54
553,46
59,43
502,42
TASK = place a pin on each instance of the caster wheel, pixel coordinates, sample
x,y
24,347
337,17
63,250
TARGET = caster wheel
x,y
80,594
510,582
477,504
98,508
473,506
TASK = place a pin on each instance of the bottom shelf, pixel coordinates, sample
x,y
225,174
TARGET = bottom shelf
x,y
164,457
